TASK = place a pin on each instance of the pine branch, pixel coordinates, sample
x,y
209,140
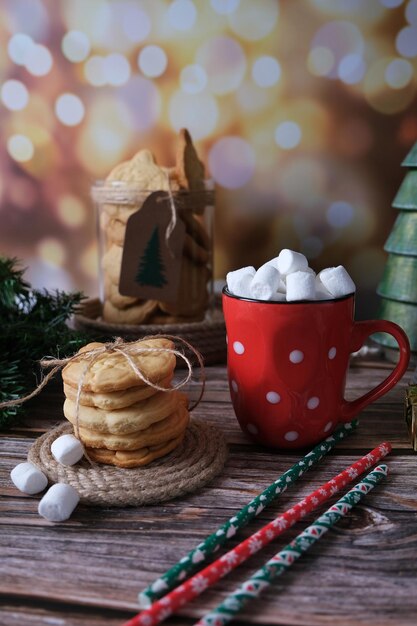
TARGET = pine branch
x,y
33,325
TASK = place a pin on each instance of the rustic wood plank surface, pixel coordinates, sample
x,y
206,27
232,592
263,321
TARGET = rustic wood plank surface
x,y
88,570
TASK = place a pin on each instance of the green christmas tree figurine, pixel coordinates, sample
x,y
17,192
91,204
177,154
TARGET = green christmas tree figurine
x,y
398,287
151,268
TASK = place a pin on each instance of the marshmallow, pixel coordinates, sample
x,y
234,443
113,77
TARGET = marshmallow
x,y
58,503
265,283
28,479
278,296
301,286
238,281
289,261
337,281
67,450
322,293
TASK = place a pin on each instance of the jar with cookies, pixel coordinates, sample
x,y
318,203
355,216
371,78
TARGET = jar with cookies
x,y
155,240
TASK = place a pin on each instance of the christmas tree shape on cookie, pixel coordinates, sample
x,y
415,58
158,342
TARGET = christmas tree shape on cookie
x,y
398,287
151,271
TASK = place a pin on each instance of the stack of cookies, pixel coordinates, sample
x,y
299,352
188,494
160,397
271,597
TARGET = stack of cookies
x,y
122,420
186,178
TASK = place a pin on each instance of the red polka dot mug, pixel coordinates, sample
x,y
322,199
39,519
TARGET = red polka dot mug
x,y
287,365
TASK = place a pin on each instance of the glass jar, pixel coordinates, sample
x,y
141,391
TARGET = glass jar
x,y
192,213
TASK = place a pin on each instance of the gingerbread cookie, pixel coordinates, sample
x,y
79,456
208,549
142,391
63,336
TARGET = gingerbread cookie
x,y
111,371
138,313
192,292
130,419
154,435
133,458
115,399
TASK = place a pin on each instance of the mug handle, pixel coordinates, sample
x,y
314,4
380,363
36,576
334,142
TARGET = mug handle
x,y
362,330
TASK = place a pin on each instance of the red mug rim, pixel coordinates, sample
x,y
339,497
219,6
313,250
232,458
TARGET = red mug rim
x,y
227,293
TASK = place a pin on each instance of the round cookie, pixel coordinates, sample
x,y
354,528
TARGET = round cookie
x,y
131,419
141,170
113,294
195,228
192,296
111,371
115,399
133,458
112,263
134,314
115,230
156,434
194,251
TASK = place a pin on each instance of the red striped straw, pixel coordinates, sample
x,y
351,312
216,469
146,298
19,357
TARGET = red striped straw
x,y
194,586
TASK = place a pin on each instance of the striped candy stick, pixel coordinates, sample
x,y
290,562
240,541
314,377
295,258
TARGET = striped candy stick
x,y
194,586
189,563
282,561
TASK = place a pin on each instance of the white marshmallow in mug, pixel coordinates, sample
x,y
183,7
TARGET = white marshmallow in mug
x,y
301,286
58,503
289,261
28,478
238,281
322,293
337,281
67,450
265,283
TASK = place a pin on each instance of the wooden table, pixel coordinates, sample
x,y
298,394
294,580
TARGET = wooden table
x,y
88,570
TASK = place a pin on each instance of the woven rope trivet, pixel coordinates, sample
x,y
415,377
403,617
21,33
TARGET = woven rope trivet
x,y
199,458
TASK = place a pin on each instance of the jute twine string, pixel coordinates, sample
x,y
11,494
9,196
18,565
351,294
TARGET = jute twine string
x,y
197,460
126,350
173,220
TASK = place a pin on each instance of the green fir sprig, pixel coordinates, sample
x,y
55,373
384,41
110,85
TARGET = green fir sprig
x,y
33,324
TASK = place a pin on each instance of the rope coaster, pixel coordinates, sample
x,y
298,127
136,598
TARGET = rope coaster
x,y
199,458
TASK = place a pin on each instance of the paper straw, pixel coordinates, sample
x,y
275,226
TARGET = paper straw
x,y
281,562
189,563
194,586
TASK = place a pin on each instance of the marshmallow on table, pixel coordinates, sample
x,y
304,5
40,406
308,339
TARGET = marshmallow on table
x,y
58,503
301,286
337,281
28,479
265,283
239,280
67,449
289,261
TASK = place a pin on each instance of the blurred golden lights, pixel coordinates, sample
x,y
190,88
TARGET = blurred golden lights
x,y
75,46
288,135
224,61
20,148
152,61
14,95
193,79
39,60
69,109
182,14
266,71
232,162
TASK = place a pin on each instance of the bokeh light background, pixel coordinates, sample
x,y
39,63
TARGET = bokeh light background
x,y
301,109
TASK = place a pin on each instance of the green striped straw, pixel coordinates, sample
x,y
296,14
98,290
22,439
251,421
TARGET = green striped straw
x,y
189,563
281,562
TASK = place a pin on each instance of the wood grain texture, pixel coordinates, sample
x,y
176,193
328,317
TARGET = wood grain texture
x,y
88,570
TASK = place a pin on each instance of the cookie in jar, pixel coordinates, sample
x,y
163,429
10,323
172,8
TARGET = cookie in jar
x,y
155,239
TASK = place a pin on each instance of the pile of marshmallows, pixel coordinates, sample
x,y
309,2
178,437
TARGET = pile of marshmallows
x,y
289,278
61,499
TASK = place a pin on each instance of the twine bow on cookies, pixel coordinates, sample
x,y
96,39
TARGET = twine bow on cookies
x,y
127,350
